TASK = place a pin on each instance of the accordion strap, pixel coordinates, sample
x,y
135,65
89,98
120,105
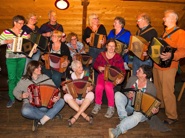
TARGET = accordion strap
x,y
39,81
14,33
171,33
144,31
103,54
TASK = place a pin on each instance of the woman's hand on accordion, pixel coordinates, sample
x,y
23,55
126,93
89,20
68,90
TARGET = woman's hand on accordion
x,y
101,69
155,110
89,88
165,56
130,94
25,95
56,98
8,41
88,40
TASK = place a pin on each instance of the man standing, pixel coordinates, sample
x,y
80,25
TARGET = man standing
x,y
147,32
164,78
47,28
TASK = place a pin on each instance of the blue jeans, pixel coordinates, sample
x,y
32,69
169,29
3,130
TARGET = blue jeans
x,y
94,52
129,117
54,75
137,63
31,112
35,56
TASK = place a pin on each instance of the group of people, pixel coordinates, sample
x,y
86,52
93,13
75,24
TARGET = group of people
x,y
164,78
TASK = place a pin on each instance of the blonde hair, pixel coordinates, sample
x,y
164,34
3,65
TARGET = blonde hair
x,y
93,15
70,35
51,11
31,15
57,32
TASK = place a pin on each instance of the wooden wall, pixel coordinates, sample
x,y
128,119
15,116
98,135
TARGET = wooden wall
x,y
71,19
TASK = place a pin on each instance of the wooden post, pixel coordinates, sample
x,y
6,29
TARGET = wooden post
x,y
85,3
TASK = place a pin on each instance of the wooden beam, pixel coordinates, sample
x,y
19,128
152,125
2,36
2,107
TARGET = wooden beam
x,y
181,22
85,3
162,1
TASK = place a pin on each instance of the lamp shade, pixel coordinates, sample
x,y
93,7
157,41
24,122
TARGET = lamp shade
x,y
61,4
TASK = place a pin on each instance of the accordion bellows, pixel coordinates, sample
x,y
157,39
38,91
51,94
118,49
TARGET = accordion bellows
x,y
95,39
84,59
145,102
137,46
112,73
77,87
42,95
53,61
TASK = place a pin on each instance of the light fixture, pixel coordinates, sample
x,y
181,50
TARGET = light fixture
x,y
62,4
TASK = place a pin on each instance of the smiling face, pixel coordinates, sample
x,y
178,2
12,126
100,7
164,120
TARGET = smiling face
x,y
111,46
19,24
140,73
32,20
37,71
79,68
117,24
170,19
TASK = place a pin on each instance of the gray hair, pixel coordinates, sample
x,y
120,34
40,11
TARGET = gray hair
x,y
173,13
74,64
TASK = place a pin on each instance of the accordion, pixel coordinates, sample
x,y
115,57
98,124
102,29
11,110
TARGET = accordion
x,y
42,95
120,47
95,39
77,87
84,58
53,61
144,103
24,46
137,46
157,47
112,73
40,40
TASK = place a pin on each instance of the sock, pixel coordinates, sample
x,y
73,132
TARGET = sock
x,y
44,119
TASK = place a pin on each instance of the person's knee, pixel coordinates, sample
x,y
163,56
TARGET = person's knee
x,y
26,111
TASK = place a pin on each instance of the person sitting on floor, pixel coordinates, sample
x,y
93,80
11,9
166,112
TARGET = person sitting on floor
x,y
128,116
79,104
39,115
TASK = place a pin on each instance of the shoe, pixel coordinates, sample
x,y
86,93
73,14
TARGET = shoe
x,y
115,132
169,121
10,103
110,112
89,118
96,109
36,124
70,119
58,116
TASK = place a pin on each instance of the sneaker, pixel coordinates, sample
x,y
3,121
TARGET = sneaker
x,y
110,112
10,103
36,124
96,109
115,132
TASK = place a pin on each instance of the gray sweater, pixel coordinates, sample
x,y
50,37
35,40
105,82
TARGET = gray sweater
x,y
150,88
23,84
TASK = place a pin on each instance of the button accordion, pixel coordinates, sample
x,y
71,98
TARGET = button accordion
x,y
53,61
77,87
120,47
42,95
40,40
95,39
137,46
144,102
112,73
84,58
156,48
24,46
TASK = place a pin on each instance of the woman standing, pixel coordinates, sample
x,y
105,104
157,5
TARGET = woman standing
x,y
94,27
31,27
109,57
15,62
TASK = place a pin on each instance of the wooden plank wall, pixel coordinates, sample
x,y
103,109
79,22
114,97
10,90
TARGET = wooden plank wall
x,y
71,19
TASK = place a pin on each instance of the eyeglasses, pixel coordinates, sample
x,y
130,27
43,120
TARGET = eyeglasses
x,y
139,20
33,19
21,23
73,39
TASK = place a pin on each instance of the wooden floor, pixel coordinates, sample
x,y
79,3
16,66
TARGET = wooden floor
x,y
13,125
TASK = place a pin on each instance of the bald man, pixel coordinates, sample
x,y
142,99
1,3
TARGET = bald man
x,y
164,78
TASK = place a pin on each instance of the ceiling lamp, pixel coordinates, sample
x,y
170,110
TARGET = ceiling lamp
x,y
62,4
